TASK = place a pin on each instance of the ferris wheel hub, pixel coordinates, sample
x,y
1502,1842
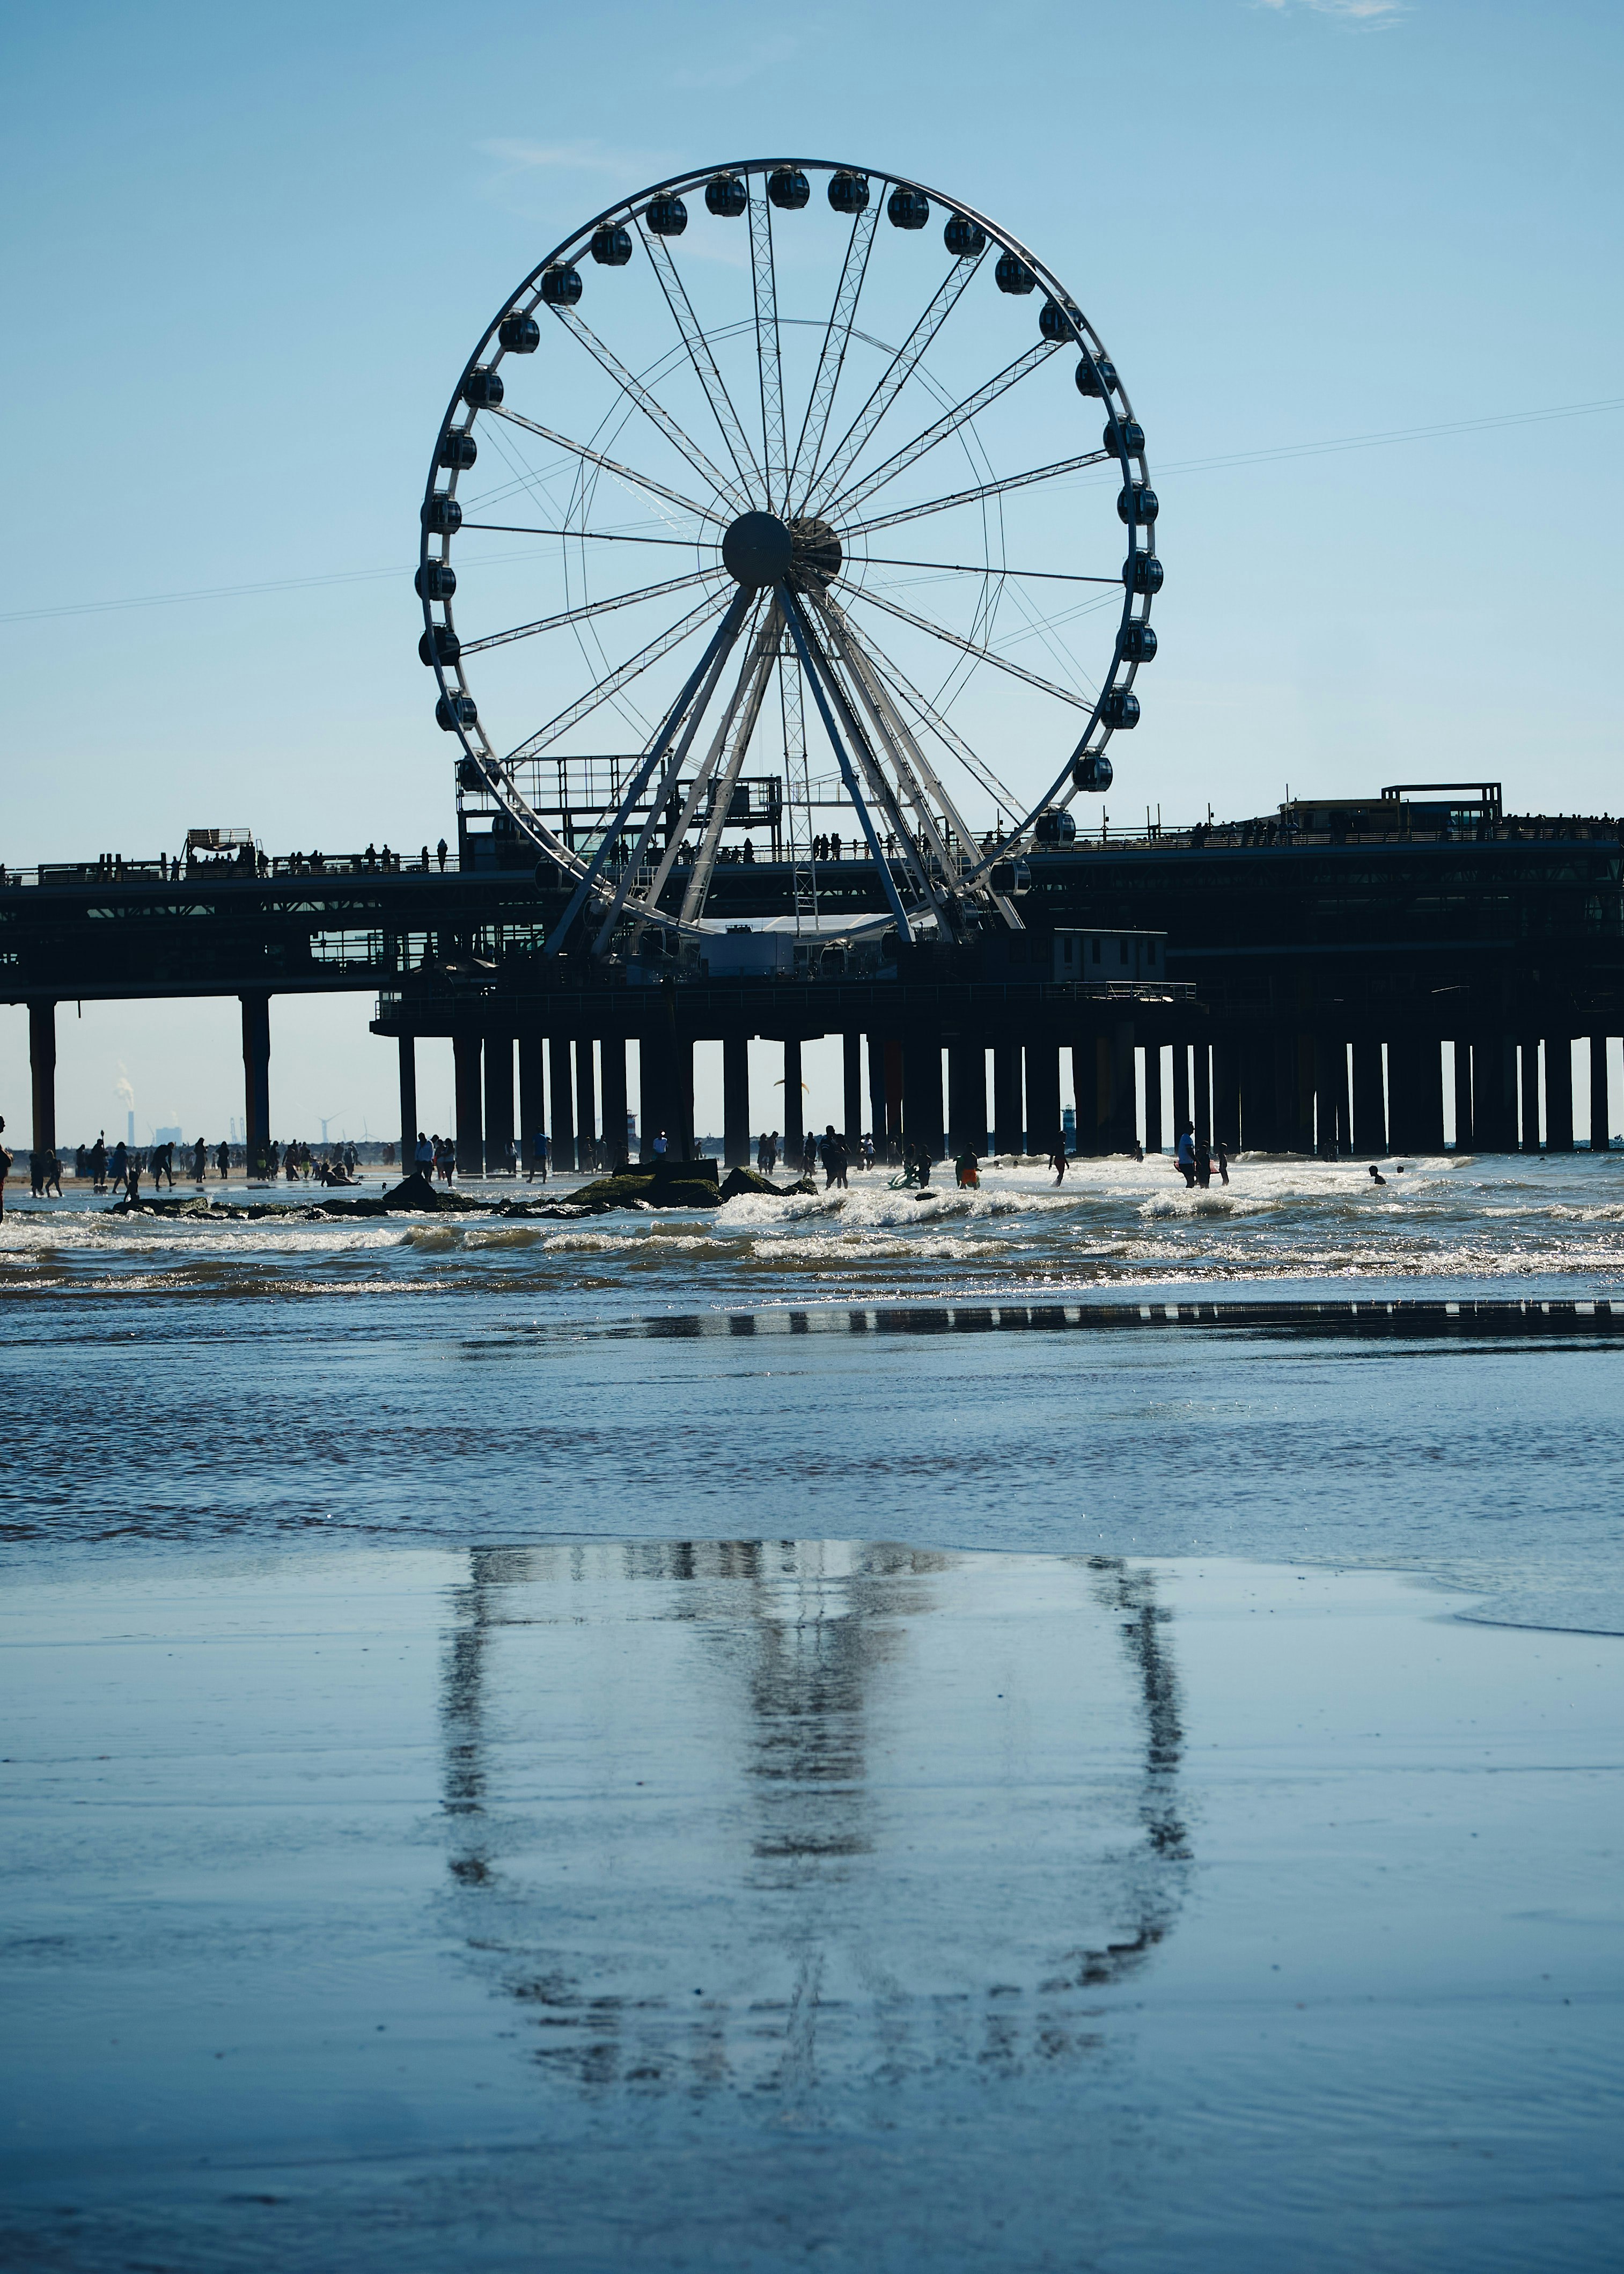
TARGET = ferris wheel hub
x,y
818,556
757,550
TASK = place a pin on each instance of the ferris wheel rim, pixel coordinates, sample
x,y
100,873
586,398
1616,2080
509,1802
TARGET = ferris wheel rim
x,y
526,297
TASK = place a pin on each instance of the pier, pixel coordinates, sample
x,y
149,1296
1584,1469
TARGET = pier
x,y
1316,963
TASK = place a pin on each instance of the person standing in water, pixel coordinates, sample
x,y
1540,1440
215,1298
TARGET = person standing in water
x,y
1184,1157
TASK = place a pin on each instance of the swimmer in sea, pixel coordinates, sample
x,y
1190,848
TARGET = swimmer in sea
x,y
1376,1175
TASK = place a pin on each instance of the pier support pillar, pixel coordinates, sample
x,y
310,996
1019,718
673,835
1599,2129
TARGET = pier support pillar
x,y
1154,1138
532,1098
921,1090
611,1056
1121,1130
877,1094
586,1104
1227,1094
1181,1088
1430,1094
42,1067
1464,1123
1530,1093
257,1082
1201,1104
1494,1093
1559,1093
498,1131
465,1055
966,1097
1370,1103
795,1104
561,1082
851,1088
1009,1125
682,1066
1043,1132
735,1101
407,1049
1086,1094
1601,1111
1258,1093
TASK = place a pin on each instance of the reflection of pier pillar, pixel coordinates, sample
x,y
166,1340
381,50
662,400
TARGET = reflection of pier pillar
x,y
562,1130
1601,1110
851,1071
498,1099
1042,1096
735,1101
42,1067
409,1105
1559,1093
794,1108
465,1057
533,1097
257,1081
966,1096
612,1060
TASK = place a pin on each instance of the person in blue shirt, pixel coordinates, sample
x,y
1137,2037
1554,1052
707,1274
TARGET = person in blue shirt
x,y
538,1156
1185,1158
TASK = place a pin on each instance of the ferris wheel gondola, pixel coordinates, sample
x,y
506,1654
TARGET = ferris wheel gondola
x,y
731,484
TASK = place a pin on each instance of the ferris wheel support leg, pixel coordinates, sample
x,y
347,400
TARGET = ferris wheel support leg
x,y
725,633
798,632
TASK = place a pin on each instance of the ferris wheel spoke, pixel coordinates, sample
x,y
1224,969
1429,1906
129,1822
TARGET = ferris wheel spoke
x,y
999,569
969,647
613,466
836,339
660,746
592,536
946,733
700,356
590,609
939,429
655,411
823,480
974,496
769,354
612,683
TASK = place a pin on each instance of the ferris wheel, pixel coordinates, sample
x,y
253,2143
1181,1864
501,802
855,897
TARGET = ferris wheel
x,y
772,509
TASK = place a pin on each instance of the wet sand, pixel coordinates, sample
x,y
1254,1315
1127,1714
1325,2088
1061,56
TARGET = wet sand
x,y
748,1905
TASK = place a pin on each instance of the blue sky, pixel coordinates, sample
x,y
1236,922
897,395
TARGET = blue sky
x,y
247,252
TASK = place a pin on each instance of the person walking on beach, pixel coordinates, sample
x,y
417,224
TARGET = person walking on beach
x,y
1058,1162
538,1157
222,1160
200,1161
660,1146
53,1172
98,1163
1223,1161
772,1152
121,1162
1184,1157
761,1155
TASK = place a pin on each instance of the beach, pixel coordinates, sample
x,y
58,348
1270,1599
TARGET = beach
x,y
1049,1729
